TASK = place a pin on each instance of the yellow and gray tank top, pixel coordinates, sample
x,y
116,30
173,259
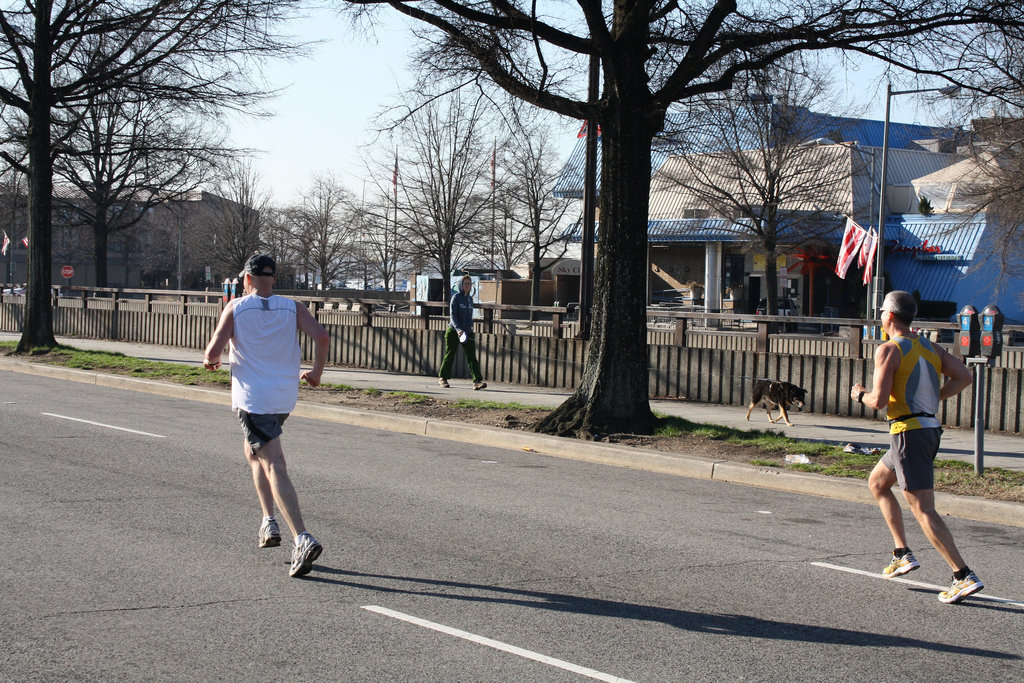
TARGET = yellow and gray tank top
x,y
914,399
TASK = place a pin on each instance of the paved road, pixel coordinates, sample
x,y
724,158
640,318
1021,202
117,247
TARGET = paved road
x,y
1000,450
131,555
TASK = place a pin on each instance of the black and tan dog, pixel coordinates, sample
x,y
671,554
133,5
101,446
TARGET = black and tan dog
x,y
772,393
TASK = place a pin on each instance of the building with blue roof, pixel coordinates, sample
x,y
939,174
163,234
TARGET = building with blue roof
x,y
940,256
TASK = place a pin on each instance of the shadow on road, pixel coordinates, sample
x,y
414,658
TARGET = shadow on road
x,y
724,624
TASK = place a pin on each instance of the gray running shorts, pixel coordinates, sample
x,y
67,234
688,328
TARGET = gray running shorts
x,y
260,429
911,455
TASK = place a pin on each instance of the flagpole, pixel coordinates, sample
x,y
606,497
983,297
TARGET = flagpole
x,y
494,223
394,226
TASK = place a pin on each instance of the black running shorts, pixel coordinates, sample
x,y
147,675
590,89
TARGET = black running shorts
x,y
260,429
911,455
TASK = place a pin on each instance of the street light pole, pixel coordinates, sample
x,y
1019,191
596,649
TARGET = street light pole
x,y
879,280
589,209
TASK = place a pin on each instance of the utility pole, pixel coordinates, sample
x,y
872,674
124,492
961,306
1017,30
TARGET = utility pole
x,y
589,209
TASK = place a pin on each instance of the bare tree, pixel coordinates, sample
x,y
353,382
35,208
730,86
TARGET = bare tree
x,y
280,243
377,225
653,53
744,155
533,213
126,155
57,54
238,216
990,178
13,211
324,228
442,186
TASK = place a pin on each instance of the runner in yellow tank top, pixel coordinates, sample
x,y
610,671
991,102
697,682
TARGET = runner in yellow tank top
x,y
908,385
914,397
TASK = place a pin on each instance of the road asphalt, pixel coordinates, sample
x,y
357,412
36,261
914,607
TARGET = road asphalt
x,y
999,450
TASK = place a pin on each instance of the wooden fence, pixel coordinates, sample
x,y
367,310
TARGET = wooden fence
x,y
707,358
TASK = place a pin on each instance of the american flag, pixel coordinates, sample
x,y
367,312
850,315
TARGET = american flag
x,y
394,177
852,240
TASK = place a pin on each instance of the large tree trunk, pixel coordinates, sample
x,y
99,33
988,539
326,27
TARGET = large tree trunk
x,y
37,329
613,393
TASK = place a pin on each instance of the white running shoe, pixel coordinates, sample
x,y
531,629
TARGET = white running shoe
x,y
968,585
305,552
269,535
901,565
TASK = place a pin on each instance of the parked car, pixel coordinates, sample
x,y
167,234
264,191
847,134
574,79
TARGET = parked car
x,y
786,307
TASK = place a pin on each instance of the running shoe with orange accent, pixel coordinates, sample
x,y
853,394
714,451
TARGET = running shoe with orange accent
x,y
901,565
968,585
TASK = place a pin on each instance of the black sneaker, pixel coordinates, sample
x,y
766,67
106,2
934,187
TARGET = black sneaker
x,y
477,386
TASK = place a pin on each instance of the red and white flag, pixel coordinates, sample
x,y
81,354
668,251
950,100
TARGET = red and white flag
x,y
853,237
24,240
7,243
394,177
867,255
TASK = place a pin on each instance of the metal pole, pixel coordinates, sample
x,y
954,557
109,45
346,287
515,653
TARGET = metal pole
x,y
494,222
179,248
869,307
979,415
589,210
879,280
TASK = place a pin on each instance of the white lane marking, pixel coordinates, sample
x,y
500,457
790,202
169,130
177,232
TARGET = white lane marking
x,y
910,582
497,645
100,424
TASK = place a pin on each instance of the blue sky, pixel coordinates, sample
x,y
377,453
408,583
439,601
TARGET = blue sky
x,y
326,111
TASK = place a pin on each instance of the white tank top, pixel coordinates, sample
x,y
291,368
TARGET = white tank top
x,y
265,355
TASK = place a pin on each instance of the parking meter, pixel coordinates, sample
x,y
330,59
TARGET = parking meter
x,y
991,331
968,338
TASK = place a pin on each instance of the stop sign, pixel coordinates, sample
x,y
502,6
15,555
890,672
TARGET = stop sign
x,y
67,272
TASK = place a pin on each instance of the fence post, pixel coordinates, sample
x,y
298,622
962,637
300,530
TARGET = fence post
x,y
424,318
762,337
681,331
366,311
114,317
556,325
489,320
856,341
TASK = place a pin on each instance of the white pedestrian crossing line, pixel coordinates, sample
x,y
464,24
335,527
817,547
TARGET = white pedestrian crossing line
x,y
497,645
911,582
100,424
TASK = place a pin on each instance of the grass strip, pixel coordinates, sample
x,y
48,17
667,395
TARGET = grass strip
x,y
768,449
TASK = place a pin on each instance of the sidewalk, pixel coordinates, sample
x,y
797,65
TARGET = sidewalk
x,y
1000,450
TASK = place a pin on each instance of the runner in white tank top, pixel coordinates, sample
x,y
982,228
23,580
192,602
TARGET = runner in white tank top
x,y
262,330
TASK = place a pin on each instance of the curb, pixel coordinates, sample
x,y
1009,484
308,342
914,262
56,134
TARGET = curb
x,y
695,467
